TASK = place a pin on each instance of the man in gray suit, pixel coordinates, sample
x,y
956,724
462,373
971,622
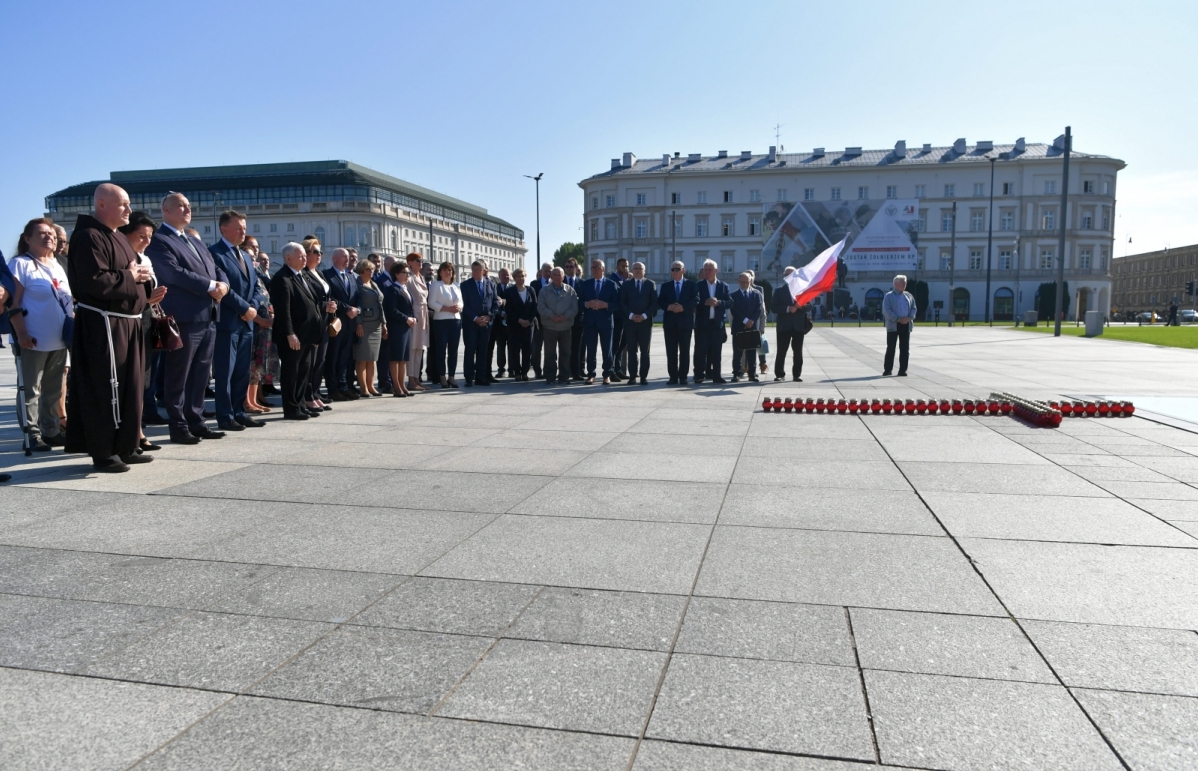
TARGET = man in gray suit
x,y
638,306
898,309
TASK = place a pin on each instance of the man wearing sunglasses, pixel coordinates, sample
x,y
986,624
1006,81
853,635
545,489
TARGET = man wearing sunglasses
x,y
678,299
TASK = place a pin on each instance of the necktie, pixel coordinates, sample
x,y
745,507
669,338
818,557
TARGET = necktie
x,y
345,281
638,286
190,245
596,288
241,262
677,291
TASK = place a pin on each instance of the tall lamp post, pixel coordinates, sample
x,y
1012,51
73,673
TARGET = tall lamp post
x,y
537,180
952,269
1018,288
1056,332
990,238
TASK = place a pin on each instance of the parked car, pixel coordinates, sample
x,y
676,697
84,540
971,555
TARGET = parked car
x,y
1187,316
1149,317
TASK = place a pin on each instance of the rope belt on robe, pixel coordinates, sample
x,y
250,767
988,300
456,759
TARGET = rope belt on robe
x,y
116,406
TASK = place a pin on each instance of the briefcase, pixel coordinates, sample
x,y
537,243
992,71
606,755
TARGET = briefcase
x,y
750,338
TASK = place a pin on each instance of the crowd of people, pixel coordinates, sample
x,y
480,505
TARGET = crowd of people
x,y
133,316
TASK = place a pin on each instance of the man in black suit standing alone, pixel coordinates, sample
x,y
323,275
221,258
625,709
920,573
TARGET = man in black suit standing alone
x,y
791,327
678,299
196,285
297,328
638,306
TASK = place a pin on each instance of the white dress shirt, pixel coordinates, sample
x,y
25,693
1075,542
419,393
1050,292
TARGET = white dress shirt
x,y
440,295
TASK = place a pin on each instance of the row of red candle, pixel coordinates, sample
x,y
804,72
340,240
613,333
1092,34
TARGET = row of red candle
x,y
888,407
1094,409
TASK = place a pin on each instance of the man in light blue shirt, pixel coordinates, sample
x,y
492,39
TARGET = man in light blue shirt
x,y
898,309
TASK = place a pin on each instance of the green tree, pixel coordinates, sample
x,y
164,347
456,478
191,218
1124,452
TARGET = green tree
x,y
566,251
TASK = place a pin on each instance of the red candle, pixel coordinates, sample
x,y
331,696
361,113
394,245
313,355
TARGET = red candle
x,y
841,406
933,407
957,406
1129,409
875,406
852,406
1104,409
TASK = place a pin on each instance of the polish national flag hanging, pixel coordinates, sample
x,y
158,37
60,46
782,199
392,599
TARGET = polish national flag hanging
x,y
816,277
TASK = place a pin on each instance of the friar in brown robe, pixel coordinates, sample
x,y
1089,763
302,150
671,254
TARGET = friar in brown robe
x,y
104,274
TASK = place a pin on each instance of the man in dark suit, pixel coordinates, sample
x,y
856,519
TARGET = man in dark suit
x,y
343,287
710,332
791,327
479,307
538,338
638,306
498,345
600,300
196,285
520,306
234,348
678,299
297,328
747,310
619,346
382,278
573,277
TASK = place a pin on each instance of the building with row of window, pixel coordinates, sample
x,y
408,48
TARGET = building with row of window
x,y
1152,280
698,207
341,203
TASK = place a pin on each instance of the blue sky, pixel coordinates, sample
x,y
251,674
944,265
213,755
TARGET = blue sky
x,y
466,97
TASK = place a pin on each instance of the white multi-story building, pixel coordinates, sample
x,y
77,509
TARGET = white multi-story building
x,y
341,203
698,207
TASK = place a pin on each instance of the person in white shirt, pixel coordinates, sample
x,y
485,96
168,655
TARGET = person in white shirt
x,y
445,298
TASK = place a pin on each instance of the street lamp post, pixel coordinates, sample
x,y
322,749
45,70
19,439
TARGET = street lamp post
x,y
537,180
952,269
1018,289
990,238
1061,244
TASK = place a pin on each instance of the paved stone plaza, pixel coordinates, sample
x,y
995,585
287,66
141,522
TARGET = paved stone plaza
x,y
626,577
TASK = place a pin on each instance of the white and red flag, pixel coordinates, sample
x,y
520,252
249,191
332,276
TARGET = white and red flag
x,y
816,277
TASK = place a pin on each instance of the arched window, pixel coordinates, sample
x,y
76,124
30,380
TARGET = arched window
x,y
873,303
350,236
1004,304
319,234
961,304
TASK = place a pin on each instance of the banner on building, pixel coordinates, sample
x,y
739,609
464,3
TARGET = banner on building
x,y
879,234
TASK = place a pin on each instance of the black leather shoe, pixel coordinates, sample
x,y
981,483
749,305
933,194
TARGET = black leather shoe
x,y
735,378
754,378
147,446
886,373
230,426
4,478
351,395
295,416
184,439
469,383
672,381
718,380
135,458
313,413
111,465
698,381
798,379
902,374
338,396
204,432
39,446
249,422
631,381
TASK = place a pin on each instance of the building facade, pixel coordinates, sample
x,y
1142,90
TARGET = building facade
x,y
341,203
700,207
1152,280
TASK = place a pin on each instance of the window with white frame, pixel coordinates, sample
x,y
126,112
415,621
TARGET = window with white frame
x,y
610,201
975,259
1106,188
1004,259
1048,219
921,191
977,221
701,227
1048,255
594,202
835,194
609,230
728,225
781,194
290,227
1087,222
946,259
257,228
1006,221
641,229
946,221
1103,253
809,194
274,228
678,227
1084,257
950,191
754,261
641,198
702,196
728,263
1050,187
594,231
1106,220
207,228
727,196
754,196
1088,186
1008,188
675,198
892,191
863,192
979,188
921,224
754,225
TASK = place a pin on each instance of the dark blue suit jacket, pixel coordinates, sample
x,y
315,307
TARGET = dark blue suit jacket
x,y
243,287
345,300
573,281
478,299
703,312
746,305
667,295
608,292
186,275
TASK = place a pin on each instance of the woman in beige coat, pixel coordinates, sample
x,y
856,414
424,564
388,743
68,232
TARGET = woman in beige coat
x,y
419,291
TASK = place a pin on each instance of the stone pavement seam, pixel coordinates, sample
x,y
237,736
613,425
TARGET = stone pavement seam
x,y
1014,620
869,713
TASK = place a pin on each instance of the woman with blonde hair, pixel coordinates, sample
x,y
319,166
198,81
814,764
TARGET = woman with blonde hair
x,y
370,329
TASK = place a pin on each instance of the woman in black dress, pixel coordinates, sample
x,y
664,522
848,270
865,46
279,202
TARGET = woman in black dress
x,y
397,307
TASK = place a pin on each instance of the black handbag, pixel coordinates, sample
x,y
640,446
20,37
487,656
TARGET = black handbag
x,y
164,332
750,338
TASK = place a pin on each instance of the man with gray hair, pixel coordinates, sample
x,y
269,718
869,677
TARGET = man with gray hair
x,y
557,306
298,325
638,306
898,309
543,279
791,327
678,299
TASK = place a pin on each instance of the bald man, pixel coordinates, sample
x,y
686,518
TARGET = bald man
x,y
104,388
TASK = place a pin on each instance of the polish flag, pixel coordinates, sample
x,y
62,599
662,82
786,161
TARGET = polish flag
x,y
816,277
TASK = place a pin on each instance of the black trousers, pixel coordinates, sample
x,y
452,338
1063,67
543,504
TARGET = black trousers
x,y
902,336
476,341
636,339
576,350
709,350
316,369
793,339
519,346
538,346
338,359
186,376
678,352
619,346
497,348
294,375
